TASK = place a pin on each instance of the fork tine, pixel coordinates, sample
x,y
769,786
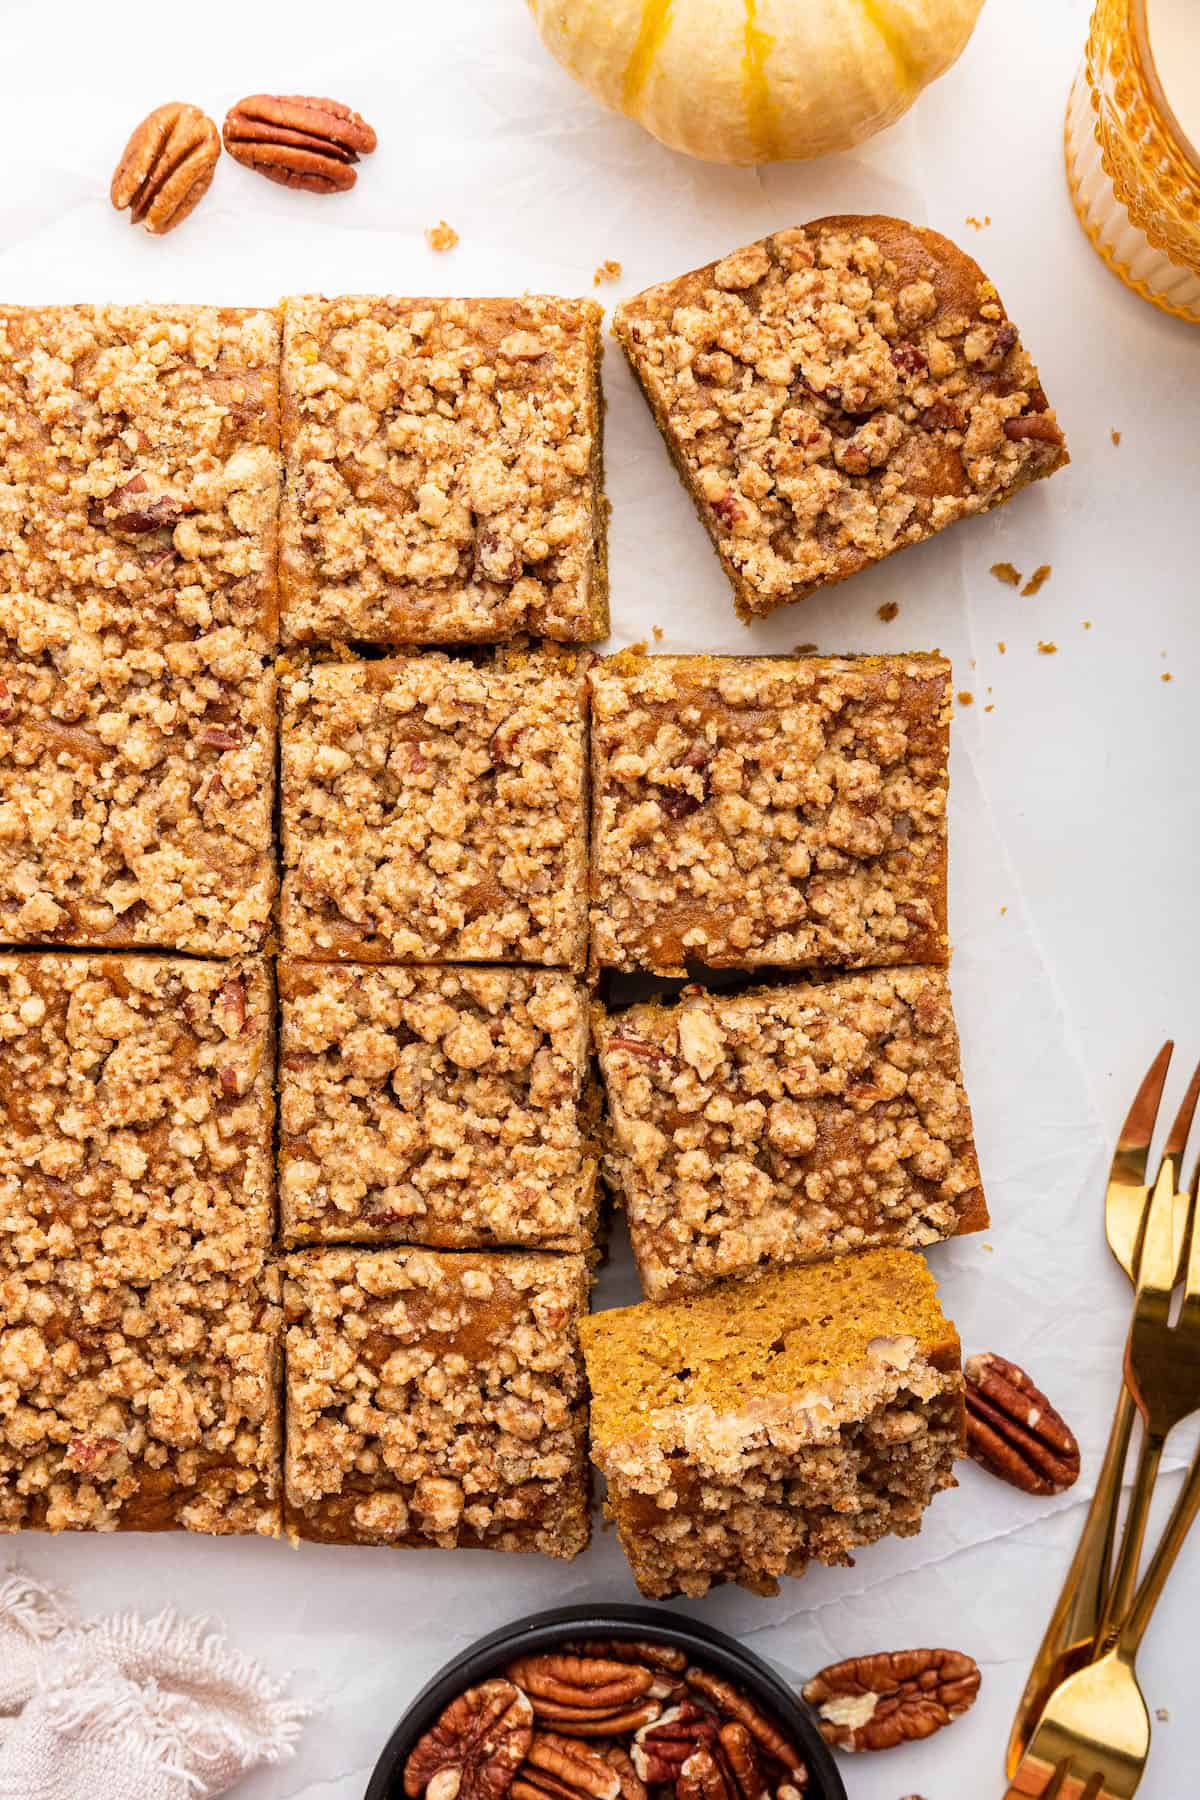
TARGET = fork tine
x,y
1178,1137
1190,1257
1058,1781
1133,1145
1156,1268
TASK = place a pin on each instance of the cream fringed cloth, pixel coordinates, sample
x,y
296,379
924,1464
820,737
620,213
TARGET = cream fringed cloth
x,y
124,1708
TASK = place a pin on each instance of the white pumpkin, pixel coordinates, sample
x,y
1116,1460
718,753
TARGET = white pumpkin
x,y
749,81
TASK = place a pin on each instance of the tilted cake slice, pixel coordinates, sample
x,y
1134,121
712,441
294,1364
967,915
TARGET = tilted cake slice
x,y
834,393
774,1422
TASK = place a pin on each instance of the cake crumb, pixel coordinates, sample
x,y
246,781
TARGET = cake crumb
x,y
1003,910
1005,572
658,633
979,224
1166,676
609,270
965,697
806,650
1037,580
1087,624
640,648
1047,647
889,611
441,236
1162,1715
1115,435
1001,646
989,708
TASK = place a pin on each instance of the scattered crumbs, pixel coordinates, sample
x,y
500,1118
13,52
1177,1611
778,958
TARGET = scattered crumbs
x,y
1162,1715
979,224
1047,647
1037,580
1007,574
608,271
806,650
990,1248
640,648
1087,624
441,236
1115,435
658,633
1166,676
965,697
889,611
1001,646
989,708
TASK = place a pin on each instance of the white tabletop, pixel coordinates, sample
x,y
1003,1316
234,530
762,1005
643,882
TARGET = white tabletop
x,y
1075,851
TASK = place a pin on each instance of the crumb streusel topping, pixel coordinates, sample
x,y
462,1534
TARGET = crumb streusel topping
x,y
434,1106
434,810
139,471
754,810
136,790
136,1105
787,1125
436,1400
443,480
835,392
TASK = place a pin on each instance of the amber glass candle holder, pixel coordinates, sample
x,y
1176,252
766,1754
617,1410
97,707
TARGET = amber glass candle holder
x,y
1134,174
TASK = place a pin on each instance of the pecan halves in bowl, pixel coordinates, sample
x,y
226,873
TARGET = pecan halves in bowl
x,y
1013,1431
894,1697
298,140
166,167
730,1703
475,1748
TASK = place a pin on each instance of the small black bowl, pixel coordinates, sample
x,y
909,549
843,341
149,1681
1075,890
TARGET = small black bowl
x,y
550,1630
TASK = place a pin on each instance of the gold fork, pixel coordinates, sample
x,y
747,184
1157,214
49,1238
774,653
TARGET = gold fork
x,y
1093,1737
1071,1633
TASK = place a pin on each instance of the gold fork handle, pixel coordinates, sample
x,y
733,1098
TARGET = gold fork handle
x,y
1183,1517
1124,1582
1073,1624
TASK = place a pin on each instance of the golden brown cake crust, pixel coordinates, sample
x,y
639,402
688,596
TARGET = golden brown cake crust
x,y
836,392
435,1106
443,470
788,1124
436,1401
758,810
774,1421
139,471
434,809
139,1321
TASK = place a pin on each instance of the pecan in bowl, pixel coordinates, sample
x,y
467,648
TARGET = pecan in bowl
x,y
615,1705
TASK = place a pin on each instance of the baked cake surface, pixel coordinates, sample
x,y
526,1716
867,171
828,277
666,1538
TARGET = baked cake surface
x,y
139,1321
434,810
749,811
836,392
440,1106
139,472
775,1421
436,1401
136,790
787,1125
443,470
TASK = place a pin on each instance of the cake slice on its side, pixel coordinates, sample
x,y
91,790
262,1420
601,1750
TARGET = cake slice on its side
x,y
836,392
774,1422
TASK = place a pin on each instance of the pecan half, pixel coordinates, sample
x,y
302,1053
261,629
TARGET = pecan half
x,y
661,1749
632,1785
474,1750
731,1703
741,1760
166,167
587,1696
635,1650
895,1697
703,1778
561,1768
299,141
1014,1432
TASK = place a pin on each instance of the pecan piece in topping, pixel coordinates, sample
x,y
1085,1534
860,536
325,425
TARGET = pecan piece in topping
x,y
910,361
894,1697
731,1703
1037,425
166,167
298,140
562,1768
1014,1432
474,1750
135,510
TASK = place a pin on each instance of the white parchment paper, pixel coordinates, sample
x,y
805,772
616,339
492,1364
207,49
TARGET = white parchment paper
x,y
1081,759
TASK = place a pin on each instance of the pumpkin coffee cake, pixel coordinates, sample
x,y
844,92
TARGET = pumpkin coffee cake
x,y
436,1401
836,392
443,473
749,811
787,1124
140,1331
775,1421
434,809
441,1106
